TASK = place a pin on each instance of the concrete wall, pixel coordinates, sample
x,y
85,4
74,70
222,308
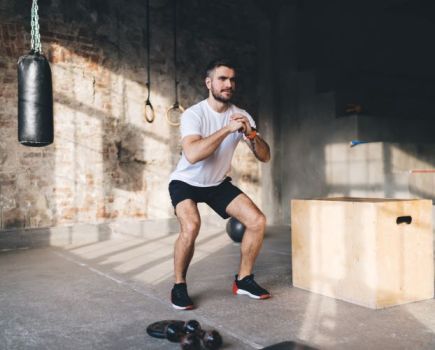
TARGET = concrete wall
x,y
107,162
327,55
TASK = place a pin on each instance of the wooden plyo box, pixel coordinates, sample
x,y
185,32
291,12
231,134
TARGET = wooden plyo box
x,y
371,252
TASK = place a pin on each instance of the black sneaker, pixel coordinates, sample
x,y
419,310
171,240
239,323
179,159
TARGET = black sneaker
x,y
248,286
179,297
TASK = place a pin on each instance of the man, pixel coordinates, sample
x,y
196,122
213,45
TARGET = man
x,y
210,132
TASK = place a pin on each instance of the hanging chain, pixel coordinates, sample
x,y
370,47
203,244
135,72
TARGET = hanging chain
x,y
148,49
173,113
149,109
36,37
175,53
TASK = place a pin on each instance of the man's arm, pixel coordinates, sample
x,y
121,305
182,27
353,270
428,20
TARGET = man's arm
x,y
197,148
260,148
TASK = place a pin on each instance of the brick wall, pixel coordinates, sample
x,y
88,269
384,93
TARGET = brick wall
x,y
107,162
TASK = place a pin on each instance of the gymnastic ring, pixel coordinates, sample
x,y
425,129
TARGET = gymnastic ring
x,y
149,112
176,106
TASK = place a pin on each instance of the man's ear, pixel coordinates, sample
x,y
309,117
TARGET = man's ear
x,y
208,82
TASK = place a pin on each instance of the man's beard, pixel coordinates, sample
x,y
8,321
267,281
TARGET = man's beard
x,y
220,97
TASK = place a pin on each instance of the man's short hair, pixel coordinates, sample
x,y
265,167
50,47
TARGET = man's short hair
x,y
226,62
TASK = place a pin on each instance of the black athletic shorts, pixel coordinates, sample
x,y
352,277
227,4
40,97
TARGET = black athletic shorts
x,y
217,197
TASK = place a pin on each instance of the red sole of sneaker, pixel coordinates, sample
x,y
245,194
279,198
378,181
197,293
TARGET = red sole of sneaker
x,y
236,292
191,307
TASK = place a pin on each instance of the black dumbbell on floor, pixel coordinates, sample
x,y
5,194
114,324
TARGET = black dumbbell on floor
x,y
211,340
191,336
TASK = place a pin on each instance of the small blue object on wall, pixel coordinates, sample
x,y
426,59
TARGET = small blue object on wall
x,y
356,143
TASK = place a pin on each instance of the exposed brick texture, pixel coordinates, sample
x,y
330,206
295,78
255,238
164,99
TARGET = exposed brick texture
x,y
107,162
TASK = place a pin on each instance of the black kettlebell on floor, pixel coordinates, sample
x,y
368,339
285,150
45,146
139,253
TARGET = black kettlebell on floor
x,y
235,229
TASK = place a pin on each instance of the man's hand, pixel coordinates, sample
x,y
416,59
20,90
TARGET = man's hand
x,y
244,121
235,125
257,144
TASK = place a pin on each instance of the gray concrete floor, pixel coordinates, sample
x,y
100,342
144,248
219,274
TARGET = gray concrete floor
x,y
102,293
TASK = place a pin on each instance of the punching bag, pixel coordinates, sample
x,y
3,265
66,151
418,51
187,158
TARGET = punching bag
x,y
35,101
35,95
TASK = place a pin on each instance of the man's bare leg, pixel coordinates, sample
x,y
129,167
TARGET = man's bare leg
x,y
190,223
243,209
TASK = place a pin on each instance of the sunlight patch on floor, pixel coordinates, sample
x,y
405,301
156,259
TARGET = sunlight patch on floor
x,y
151,260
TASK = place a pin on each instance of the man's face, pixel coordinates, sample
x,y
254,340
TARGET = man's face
x,y
222,83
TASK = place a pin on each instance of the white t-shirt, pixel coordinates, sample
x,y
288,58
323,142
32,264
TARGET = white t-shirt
x,y
201,119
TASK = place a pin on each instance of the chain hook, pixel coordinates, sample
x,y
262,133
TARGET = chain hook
x,y
35,35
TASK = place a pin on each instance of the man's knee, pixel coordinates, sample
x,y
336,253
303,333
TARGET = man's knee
x,y
189,219
190,230
192,226
257,222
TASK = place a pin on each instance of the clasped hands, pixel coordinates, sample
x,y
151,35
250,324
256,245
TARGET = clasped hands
x,y
239,122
